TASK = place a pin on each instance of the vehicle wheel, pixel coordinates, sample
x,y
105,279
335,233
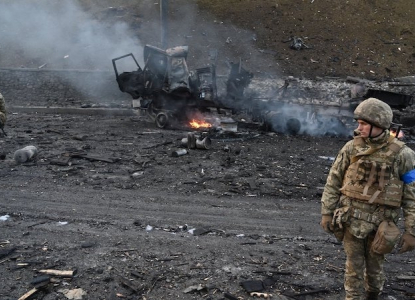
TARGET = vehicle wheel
x,y
162,120
293,126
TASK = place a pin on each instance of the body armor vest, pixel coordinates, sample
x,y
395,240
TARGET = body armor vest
x,y
370,176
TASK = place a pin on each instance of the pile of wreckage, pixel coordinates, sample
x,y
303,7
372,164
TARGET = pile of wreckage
x,y
168,91
326,105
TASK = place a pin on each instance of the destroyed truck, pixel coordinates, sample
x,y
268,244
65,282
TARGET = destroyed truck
x,y
166,89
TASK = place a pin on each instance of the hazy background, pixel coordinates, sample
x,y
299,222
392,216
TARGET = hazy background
x,y
59,34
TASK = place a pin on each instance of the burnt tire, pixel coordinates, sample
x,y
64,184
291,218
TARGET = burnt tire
x,y
162,120
293,126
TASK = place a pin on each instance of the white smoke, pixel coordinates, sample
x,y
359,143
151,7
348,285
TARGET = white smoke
x,y
59,34
302,107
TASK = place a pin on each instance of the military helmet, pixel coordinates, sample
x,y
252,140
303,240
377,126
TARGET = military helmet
x,y
375,112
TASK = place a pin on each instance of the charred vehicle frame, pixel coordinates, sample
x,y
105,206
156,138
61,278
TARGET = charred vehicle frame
x,y
167,90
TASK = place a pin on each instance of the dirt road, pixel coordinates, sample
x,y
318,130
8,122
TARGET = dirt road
x,y
106,198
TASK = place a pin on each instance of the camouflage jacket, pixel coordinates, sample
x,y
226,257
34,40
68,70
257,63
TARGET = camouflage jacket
x,y
2,110
333,198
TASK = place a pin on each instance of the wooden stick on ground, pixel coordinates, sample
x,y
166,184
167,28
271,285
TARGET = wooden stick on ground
x,y
58,272
28,294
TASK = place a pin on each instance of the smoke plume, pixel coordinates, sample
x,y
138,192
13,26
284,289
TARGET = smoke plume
x,y
60,35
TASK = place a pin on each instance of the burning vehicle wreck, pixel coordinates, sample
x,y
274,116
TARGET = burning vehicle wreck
x,y
170,93
167,90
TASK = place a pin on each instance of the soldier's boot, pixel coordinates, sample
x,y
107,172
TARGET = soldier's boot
x,y
372,296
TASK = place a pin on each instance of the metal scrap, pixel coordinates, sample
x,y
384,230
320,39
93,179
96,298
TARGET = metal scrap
x,y
261,295
298,43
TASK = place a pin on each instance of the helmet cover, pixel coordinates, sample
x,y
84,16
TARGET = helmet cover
x,y
375,112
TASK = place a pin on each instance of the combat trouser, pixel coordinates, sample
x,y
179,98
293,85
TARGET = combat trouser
x,y
364,269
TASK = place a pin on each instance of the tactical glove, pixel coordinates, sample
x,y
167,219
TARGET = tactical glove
x,y
407,243
326,223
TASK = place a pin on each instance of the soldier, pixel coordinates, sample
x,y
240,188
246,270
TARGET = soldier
x,y
371,180
2,111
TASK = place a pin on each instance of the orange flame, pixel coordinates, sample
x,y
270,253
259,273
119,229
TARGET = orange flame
x,y
199,124
400,135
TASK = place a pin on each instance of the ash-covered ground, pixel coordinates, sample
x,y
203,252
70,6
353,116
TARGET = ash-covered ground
x,y
107,202
106,198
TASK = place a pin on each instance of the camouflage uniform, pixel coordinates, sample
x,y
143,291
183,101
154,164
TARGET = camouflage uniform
x,y
2,111
364,268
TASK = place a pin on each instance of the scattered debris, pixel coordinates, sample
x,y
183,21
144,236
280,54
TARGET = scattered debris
x,y
130,285
6,252
230,296
193,141
149,228
406,290
179,152
4,218
312,292
199,231
194,288
40,279
88,245
74,294
25,154
261,295
28,294
405,277
91,157
330,158
253,286
59,273
297,43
